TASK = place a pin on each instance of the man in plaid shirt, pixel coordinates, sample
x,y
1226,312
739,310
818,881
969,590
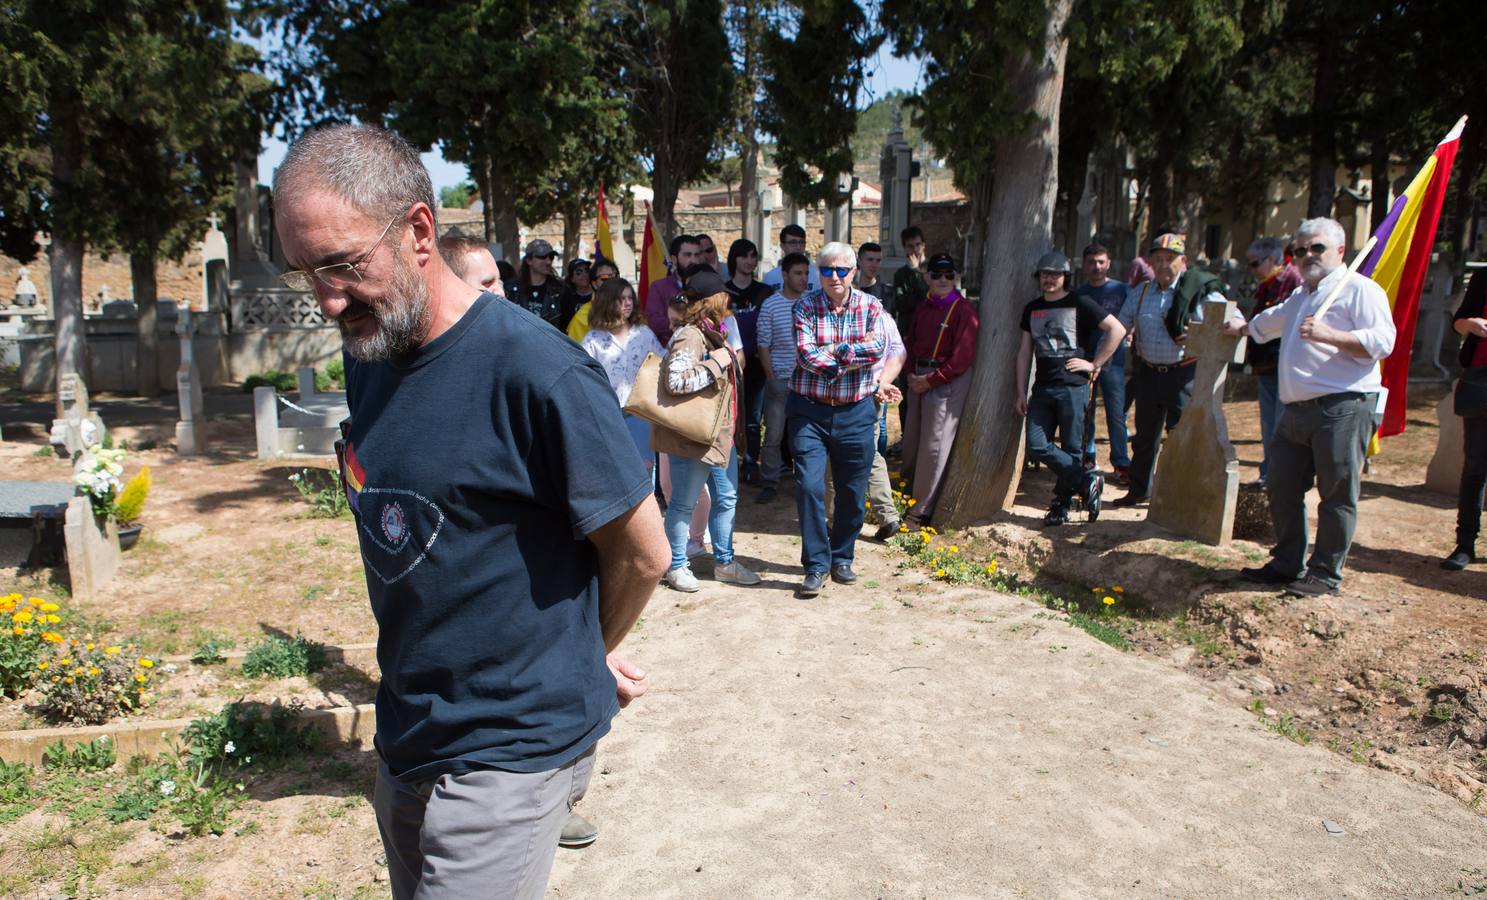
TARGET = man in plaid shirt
x,y
831,415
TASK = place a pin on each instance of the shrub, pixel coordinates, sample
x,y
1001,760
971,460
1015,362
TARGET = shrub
x,y
131,500
94,756
335,370
15,791
242,733
88,684
24,636
210,652
277,657
321,488
283,382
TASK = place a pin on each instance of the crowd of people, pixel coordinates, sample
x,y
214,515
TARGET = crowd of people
x,y
502,474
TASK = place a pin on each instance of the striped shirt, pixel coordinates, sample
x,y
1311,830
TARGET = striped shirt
x,y
836,351
775,332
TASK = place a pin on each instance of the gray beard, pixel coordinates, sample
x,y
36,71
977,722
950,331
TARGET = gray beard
x,y
402,323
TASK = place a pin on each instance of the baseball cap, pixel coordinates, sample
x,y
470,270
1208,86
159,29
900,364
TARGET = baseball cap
x,y
539,247
941,262
1171,240
704,283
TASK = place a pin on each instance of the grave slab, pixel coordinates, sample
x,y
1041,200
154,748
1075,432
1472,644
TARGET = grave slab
x,y
1443,475
92,550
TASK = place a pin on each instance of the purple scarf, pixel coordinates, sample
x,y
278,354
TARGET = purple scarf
x,y
946,300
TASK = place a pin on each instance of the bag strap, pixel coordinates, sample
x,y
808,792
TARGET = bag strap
x,y
944,326
1136,322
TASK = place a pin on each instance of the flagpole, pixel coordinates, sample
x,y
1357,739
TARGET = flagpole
x,y
1352,270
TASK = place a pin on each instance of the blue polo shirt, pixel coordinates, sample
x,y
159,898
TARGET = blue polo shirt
x,y
476,466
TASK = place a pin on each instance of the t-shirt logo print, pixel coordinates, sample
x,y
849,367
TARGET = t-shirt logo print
x,y
391,551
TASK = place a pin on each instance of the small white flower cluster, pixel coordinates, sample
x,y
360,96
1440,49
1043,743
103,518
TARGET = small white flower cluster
x,y
101,478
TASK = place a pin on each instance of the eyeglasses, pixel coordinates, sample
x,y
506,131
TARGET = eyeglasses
x,y
937,276
838,271
1255,263
337,276
1316,249
793,242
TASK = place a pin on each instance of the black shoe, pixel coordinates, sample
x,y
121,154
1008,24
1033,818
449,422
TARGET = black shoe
x,y
812,584
1058,514
1310,586
1265,575
1089,464
1130,499
886,530
842,573
1459,559
767,494
1094,486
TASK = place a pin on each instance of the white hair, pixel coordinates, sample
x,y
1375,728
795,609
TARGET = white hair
x,y
836,251
373,169
1329,230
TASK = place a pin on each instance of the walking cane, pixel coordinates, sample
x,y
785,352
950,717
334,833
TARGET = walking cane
x,y
1089,417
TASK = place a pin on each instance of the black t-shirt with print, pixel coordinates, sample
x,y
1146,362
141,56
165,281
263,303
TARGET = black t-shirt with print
x,y
1060,330
545,300
475,477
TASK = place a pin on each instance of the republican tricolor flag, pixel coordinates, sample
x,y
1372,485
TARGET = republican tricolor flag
x,y
1398,264
652,259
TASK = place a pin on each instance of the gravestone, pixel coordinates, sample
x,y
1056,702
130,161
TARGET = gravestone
x,y
80,429
1196,487
191,430
1444,472
92,549
25,289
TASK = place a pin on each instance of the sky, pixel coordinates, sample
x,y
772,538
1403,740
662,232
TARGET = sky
x,y
888,73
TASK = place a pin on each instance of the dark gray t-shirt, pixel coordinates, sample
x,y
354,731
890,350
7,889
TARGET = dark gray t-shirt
x,y
1060,331
476,467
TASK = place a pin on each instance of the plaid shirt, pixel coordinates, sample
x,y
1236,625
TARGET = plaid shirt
x,y
836,352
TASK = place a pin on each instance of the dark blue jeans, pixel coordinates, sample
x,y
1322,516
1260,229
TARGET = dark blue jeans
x,y
1112,387
841,436
1058,407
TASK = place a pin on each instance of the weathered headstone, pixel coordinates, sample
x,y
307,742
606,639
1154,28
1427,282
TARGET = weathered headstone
x,y
80,429
191,430
92,549
1196,487
1444,472
306,383
25,289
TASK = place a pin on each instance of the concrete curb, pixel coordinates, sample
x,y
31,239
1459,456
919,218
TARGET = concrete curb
x,y
358,655
152,737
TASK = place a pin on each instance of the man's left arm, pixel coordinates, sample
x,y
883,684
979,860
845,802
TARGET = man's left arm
x,y
1372,334
633,554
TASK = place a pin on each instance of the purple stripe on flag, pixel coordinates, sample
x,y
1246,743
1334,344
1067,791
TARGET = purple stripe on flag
x,y
1384,232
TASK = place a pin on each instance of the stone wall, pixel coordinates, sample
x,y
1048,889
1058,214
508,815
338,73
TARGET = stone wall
x,y
179,281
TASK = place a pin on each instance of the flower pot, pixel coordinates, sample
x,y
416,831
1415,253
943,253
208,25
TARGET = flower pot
x,y
128,535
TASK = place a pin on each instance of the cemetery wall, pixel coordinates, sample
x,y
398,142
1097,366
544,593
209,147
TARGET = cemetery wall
x,y
179,281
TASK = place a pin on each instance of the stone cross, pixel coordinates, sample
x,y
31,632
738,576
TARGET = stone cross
x,y
1196,486
191,430
80,429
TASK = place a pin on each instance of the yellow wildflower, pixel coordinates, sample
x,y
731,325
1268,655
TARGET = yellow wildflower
x,y
42,666
18,631
140,677
94,670
146,663
90,647
67,680
903,484
51,637
111,651
1097,590
939,573
954,548
53,618
35,601
991,568
1108,601
23,617
1118,589
49,607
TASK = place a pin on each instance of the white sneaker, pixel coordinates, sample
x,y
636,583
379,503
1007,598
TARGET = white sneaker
x,y
682,579
695,549
736,573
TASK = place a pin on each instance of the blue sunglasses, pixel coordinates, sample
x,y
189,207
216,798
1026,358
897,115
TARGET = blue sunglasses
x,y
838,271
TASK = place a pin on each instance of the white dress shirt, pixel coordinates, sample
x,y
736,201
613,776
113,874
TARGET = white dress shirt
x,y
1309,369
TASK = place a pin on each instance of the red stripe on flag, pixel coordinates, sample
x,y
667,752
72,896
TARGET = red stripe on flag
x,y
1396,369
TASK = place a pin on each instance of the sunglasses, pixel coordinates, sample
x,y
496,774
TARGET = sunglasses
x,y
605,277
838,271
1311,250
548,256
942,275
1255,263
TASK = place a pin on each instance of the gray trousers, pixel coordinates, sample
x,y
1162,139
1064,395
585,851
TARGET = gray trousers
x,y
929,433
485,833
1323,442
771,462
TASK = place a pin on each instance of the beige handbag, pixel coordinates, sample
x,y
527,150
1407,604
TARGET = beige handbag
x,y
696,417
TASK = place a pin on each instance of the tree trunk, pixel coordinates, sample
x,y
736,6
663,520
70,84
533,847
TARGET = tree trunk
x,y
748,189
1379,192
147,355
986,461
663,207
66,252
1468,162
503,215
572,239
1323,186
483,179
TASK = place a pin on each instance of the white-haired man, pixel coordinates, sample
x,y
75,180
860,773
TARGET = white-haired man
x,y
506,549
831,415
1329,382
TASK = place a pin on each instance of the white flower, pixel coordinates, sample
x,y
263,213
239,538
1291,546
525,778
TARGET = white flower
x,y
168,668
229,748
167,787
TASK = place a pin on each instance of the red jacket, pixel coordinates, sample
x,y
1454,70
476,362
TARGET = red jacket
x,y
957,349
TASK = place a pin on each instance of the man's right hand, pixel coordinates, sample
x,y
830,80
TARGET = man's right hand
x,y
629,679
1021,406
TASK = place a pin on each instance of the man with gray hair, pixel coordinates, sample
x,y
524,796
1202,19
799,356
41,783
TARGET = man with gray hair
x,y
830,414
1329,382
507,550
1275,279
